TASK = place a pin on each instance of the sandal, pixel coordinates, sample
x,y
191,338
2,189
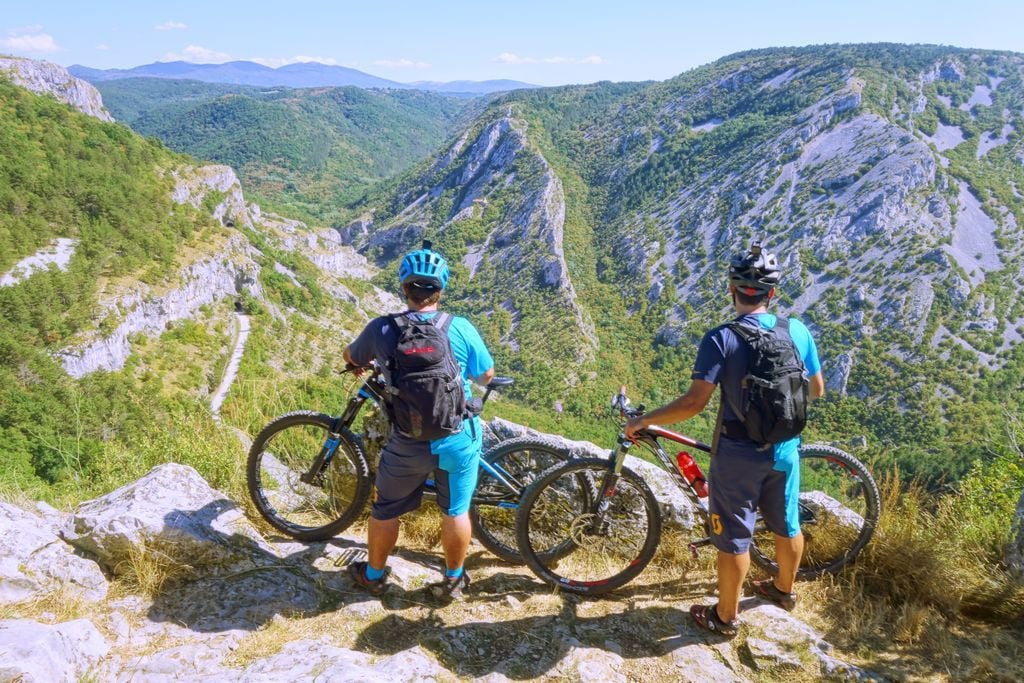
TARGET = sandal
x,y
766,589
706,616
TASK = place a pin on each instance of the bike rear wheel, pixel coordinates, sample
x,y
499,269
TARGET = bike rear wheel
x,y
493,514
282,453
839,509
588,545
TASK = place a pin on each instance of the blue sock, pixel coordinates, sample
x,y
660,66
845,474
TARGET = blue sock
x,y
373,574
453,573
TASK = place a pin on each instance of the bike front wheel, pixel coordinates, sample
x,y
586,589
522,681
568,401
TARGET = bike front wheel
x,y
839,509
308,506
493,514
586,544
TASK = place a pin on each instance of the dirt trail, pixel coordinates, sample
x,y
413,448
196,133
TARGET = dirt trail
x,y
232,369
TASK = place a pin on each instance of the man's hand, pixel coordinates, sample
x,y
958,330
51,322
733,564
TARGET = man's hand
x,y
637,424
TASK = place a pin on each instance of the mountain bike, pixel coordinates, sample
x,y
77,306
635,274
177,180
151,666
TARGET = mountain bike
x,y
615,533
309,476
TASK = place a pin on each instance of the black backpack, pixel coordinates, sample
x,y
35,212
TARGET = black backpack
x,y
426,398
774,400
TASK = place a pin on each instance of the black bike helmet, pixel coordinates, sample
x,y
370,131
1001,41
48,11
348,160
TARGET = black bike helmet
x,y
756,272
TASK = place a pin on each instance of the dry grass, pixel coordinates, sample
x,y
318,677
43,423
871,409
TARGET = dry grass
x,y
152,565
52,607
926,599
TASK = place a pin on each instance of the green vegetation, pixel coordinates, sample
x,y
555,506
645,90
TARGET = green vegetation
x,y
303,152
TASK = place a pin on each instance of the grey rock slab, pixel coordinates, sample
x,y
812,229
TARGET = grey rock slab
x,y
34,560
591,665
49,78
698,663
171,510
31,652
310,660
780,640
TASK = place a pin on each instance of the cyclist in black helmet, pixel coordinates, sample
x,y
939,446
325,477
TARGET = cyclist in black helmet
x,y
747,474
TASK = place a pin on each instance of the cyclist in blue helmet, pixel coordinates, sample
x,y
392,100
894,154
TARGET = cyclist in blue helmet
x,y
407,462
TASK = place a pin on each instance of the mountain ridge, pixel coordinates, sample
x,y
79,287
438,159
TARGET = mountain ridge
x,y
298,75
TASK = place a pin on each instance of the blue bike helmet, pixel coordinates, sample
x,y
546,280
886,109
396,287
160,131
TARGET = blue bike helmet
x,y
425,268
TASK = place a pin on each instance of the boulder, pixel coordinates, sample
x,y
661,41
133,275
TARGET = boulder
x,y
171,510
677,510
34,560
839,373
31,652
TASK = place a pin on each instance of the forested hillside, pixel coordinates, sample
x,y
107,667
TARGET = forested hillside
x,y
121,266
305,152
593,224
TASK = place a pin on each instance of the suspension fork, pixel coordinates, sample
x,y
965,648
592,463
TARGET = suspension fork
x,y
314,475
609,481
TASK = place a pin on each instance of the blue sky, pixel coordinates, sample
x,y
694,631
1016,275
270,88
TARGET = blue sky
x,y
547,42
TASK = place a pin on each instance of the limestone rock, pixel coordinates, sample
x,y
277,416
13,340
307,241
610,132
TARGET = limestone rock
x,y
171,510
591,665
309,660
698,663
839,373
31,652
48,78
778,640
34,561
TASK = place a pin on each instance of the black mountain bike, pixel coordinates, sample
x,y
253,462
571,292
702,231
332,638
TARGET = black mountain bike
x,y
309,477
614,534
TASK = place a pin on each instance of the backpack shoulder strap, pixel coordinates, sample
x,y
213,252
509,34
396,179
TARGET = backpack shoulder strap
x,y
443,321
399,320
745,332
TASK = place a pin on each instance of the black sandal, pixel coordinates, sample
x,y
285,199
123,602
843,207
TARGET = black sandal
x,y
706,616
766,589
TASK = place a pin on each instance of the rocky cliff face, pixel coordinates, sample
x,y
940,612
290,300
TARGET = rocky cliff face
x,y
51,79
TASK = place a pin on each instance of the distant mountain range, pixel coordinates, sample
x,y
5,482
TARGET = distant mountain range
x,y
303,75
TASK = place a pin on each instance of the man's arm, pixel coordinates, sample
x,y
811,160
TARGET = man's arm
x,y
485,379
683,408
817,386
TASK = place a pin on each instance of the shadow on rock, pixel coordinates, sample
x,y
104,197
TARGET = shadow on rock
x,y
260,580
533,646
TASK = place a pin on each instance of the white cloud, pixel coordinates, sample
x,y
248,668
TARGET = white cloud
x,y
401,64
198,55
171,26
512,58
29,39
102,47
276,62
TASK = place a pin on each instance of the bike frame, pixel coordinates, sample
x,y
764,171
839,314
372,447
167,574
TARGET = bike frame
x,y
648,438
373,389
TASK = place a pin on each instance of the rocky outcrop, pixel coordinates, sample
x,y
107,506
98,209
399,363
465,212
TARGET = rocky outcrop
x,y
225,274
172,511
58,254
35,561
51,79
194,184
31,652
839,373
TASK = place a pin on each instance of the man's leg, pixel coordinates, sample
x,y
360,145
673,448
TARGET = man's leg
x,y
788,551
732,569
381,537
456,532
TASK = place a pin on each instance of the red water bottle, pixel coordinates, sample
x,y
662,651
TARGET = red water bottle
x,y
691,472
